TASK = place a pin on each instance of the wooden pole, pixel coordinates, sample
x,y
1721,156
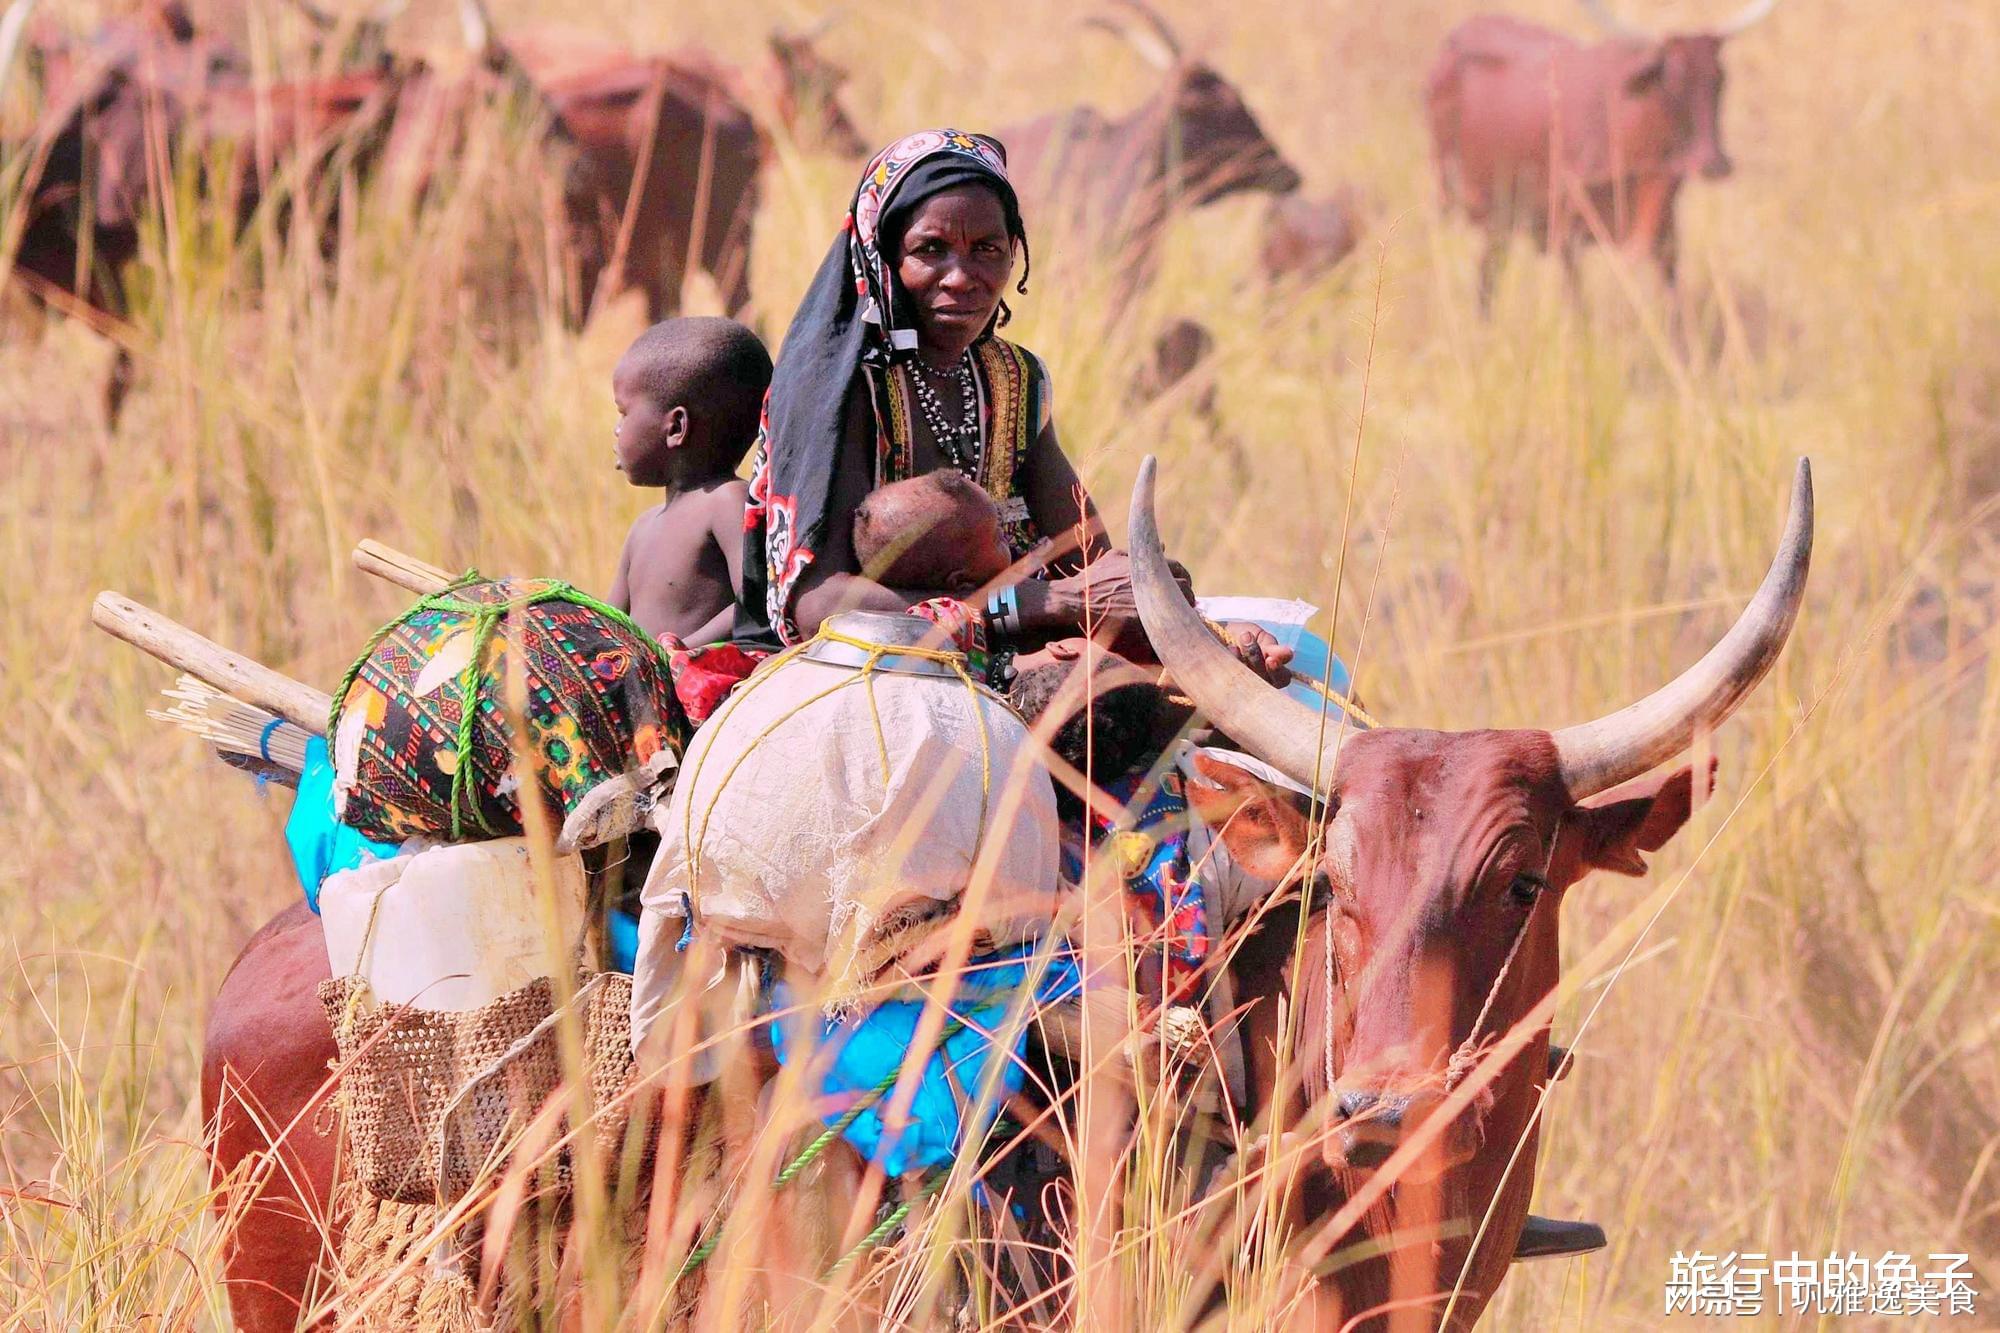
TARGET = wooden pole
x,y
405,571
178,646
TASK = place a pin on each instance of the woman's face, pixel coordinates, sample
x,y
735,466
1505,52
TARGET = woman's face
x,y
953,264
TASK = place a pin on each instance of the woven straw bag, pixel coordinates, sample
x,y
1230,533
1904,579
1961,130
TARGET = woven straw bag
x,y
434,1101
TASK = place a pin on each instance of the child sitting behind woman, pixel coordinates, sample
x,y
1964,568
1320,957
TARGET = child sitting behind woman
x,y
688,393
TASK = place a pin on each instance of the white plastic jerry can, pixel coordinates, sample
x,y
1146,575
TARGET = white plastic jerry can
x,y
452,927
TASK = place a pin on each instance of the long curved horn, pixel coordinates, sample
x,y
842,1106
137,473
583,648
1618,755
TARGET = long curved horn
x,y
1150,48
1601,14
13,24
1747,17
1156,23
1250,711
1596,756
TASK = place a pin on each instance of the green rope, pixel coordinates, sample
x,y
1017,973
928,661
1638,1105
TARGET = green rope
x,y
486,619
891,1222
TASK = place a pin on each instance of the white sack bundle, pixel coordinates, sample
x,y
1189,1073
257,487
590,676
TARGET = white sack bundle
x,y
826,813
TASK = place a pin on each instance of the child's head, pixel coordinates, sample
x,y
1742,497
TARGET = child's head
x,y
937,531
688,393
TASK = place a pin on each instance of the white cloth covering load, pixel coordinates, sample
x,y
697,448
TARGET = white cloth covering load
x,y
832,813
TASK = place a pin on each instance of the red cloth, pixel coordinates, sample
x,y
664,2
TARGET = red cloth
x,y
703,677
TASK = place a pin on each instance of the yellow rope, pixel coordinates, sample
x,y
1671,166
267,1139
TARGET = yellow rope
x,y
1325,691
864,676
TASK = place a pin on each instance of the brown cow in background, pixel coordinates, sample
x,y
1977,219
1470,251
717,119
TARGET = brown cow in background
x,y
1534,130
657,157
1117,182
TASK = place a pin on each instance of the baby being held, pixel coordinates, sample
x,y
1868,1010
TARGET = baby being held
x,y
688,392
937,534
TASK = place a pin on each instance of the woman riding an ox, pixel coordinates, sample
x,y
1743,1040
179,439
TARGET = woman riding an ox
x,y
892,368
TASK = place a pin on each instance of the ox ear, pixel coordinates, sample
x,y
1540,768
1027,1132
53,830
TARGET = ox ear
x,y
1258,821
1613,831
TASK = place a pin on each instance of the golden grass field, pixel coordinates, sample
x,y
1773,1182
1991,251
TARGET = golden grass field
x,y
1788,1035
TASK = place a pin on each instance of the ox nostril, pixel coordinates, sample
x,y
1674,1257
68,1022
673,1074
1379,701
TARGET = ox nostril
x,y
1369,1153
1354,1105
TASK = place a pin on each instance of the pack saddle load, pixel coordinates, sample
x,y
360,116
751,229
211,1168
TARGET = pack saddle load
x,y
850,799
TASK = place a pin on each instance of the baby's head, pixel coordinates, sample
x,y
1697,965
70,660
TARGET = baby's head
x,y
688,393
939,531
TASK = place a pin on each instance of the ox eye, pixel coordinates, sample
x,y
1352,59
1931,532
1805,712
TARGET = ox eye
x,y
1526,887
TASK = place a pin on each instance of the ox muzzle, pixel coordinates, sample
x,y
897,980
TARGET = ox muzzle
x,y
1371,1124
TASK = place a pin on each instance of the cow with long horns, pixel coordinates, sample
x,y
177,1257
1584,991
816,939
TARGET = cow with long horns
x,y
1119,180
1434,866
1533,130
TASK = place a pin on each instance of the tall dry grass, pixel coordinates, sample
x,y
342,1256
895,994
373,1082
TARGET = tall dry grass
x,y
1553,510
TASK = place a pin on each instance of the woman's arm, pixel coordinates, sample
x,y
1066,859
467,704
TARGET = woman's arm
x,y
1058,503
832,583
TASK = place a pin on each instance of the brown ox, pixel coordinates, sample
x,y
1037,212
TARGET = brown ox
x,y
1436,864
1117,182
114,102
264,1079
666,152
1534,130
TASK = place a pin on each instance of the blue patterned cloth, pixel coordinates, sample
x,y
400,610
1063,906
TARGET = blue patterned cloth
x,y
868,1049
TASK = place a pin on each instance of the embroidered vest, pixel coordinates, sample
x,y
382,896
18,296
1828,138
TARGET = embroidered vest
x,y
1011,389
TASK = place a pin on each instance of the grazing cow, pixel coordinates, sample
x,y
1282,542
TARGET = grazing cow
x,y
666,153
664,172
1115,183
1303,238
109,103
1532,129
1178,350
1435,863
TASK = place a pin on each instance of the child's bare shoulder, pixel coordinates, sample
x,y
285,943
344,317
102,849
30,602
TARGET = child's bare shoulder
x,y
722,503
650,520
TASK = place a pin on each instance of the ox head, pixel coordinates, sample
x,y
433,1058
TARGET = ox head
x,y
808,91
1429,854
1214,142
1682,74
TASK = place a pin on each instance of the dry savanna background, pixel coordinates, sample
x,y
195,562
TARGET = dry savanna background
x,y
1787,1035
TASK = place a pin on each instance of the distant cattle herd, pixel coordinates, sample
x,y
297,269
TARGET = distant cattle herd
x,y
657,158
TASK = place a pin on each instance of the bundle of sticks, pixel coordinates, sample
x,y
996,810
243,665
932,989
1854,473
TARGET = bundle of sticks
x,y
255,717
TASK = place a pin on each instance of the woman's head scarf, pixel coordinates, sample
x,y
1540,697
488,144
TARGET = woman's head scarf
x,y
853,315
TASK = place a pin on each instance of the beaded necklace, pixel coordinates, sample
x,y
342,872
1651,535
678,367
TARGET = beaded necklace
x,y
959,442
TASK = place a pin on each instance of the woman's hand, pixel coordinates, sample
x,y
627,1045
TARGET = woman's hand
x,y
1259,649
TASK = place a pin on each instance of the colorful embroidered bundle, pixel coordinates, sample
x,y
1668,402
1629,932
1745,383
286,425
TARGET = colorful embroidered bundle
x,y
421,732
